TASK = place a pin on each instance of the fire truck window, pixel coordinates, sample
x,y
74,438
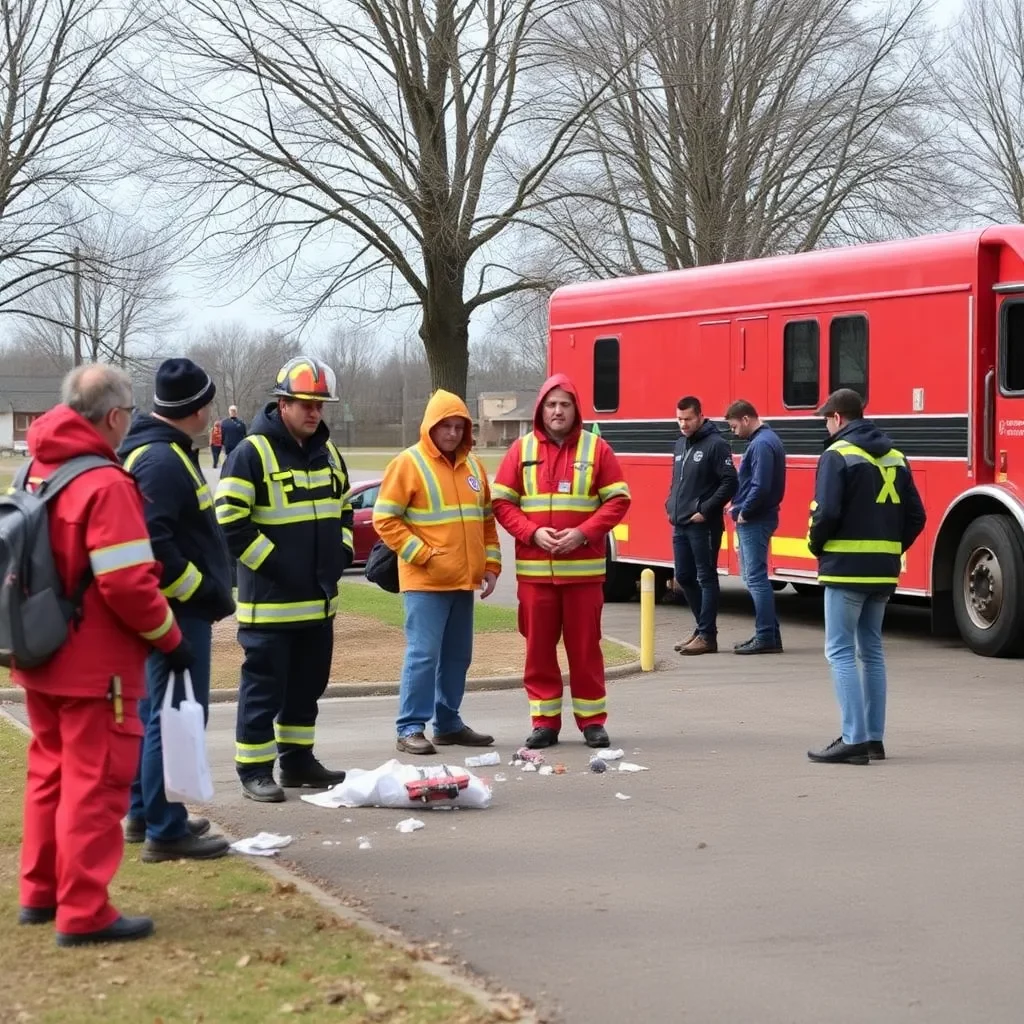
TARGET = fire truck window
x,y
1013,348
848,355
606,375
800,343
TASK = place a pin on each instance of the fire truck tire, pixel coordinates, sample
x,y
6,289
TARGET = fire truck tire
x,y
988,587
778,585
620,581
807,589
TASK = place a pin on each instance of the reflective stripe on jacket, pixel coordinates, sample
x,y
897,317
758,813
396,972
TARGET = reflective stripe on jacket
x,y
288,520
187,542
435,513
577,484
866,511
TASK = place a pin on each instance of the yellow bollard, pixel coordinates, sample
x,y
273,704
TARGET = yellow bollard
x,y
647,620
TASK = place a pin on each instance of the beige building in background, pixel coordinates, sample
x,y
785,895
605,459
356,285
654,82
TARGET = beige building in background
x,y
503,416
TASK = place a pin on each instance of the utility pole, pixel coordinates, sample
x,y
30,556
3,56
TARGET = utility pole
x,y
77,275
405,357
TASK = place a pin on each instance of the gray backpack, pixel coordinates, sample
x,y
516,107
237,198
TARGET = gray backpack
x,y
35,613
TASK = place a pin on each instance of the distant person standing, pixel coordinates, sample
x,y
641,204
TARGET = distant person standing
x,y
232,431
866,513
216,441
703,481
755,510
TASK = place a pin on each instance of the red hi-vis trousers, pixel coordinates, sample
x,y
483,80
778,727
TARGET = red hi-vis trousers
x,y
571,612
81,763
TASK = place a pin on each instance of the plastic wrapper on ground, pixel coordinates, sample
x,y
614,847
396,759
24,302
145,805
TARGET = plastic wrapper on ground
x,y
386,787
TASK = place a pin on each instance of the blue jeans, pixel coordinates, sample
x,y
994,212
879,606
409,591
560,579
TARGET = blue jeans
x,y
438,653
695,547
166,821
754,540
853,626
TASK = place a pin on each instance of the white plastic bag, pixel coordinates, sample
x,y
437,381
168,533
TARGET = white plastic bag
x,y
385,787
183,737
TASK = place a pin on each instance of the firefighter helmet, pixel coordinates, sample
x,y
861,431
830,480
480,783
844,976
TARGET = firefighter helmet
x,y
307,379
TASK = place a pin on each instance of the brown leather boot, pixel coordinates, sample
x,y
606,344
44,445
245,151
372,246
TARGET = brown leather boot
x,y
700,645
687,641
415,743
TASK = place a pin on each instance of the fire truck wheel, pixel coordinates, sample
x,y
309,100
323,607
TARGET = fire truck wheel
x,y
807,589
988,587
620,581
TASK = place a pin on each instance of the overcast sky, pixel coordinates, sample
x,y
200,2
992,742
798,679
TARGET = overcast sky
x,y
201,304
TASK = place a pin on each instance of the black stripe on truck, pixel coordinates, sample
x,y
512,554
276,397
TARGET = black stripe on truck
x,y
937,437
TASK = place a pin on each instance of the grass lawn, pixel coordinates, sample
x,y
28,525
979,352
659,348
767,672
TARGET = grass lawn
x,y
232,945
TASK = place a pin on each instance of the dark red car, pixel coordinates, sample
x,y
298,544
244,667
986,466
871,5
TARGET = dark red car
x,y
364,496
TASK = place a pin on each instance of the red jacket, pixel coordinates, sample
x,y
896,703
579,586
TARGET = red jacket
x,y
97,519
577,484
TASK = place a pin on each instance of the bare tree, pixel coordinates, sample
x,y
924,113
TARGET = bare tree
x,y
57,76
982,83
243,364
744,128
405,134
122,294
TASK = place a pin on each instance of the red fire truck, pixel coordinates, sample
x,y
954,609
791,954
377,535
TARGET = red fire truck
x,y
929,331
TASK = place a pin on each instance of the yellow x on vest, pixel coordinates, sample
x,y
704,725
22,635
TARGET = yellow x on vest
x,y
887,465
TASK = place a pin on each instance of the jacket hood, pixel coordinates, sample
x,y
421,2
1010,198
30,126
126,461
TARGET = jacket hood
x,y
443,404
147,430
268,421
707,428
62,433
864,434
556,380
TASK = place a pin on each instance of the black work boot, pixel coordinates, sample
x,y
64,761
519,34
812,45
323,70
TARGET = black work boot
x,y
596,736
37,915
188,847
124,929
541,737
309,772
876,751
263,789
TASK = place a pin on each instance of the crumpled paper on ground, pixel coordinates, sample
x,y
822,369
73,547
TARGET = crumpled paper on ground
x,y
385,787
265,844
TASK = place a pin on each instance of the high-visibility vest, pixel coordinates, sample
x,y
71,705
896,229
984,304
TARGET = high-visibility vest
x,y
189,581
567,509
870,550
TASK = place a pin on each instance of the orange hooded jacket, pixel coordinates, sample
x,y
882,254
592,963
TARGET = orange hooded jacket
x,y
435,514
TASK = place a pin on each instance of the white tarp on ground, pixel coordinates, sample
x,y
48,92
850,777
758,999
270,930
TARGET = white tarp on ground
x,y
385,787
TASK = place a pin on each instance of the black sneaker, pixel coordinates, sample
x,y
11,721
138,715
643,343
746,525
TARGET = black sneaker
x,y
755,646
838,752
876,752
37,915
596,736
540,738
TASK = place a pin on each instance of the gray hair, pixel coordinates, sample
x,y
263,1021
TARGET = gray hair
x,y
94,389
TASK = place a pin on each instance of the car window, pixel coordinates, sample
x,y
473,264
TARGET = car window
x,y
370,497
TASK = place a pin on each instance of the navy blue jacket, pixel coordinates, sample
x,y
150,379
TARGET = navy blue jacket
x,y
196,575
232,430
866,511
703,476
288,571
762,478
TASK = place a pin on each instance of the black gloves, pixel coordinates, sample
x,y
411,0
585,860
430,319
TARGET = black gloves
x,y
182,657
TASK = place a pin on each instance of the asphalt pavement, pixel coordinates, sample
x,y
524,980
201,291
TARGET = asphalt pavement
x,y
733,882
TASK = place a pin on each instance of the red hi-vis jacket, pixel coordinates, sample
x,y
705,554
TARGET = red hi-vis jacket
x,y
577,484
97,522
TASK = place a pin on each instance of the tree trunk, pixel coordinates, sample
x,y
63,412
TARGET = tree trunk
x,y
444,329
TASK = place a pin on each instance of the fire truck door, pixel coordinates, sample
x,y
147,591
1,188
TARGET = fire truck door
x,y
1003,449
748,379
